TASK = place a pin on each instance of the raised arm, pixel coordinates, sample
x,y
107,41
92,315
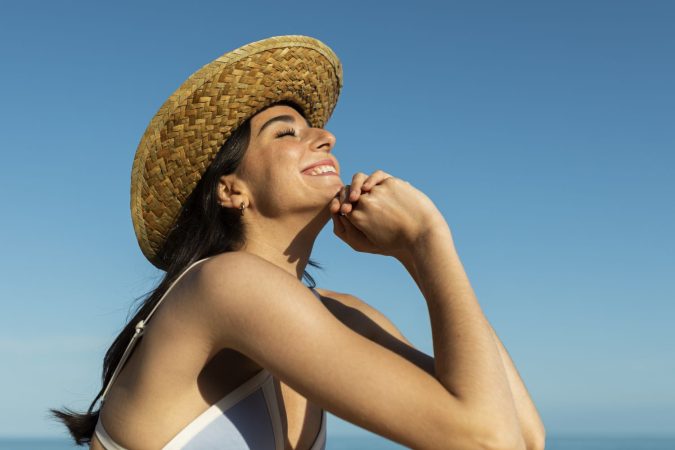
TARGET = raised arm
x,y
393,218
261,311
435,266
529,421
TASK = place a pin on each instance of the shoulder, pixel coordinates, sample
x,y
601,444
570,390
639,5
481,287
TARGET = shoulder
x,y
234,259
236,291
231,270
373,321
245,280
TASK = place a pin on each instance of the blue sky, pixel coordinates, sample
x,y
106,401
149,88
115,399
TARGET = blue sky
x,y
543,132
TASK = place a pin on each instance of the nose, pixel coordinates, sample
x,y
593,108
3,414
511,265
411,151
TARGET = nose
x,y
323,140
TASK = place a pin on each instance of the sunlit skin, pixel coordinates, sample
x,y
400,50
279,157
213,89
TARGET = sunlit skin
x,y
376,213
285,211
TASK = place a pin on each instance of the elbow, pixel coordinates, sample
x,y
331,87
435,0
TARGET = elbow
x,y
536,441
518,436
538,445
503,441
514,441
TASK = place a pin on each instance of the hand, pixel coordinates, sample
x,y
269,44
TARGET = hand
x,y
382,214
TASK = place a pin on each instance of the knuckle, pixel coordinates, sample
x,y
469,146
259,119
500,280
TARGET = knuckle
x,y
356,217
364,200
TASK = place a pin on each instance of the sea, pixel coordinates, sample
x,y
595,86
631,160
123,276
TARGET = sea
x,y
377,443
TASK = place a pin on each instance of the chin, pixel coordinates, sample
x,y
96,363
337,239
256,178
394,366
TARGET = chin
x,y
327,189
330,189
323,206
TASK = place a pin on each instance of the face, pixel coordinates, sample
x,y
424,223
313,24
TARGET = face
x,y
282,146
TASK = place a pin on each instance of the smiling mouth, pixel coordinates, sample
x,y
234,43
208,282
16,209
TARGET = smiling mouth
x,y
320,170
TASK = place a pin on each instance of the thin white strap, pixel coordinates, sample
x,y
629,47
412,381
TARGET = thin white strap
x,y
140,329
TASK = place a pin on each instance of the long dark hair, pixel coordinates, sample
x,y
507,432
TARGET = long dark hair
x,y
203,229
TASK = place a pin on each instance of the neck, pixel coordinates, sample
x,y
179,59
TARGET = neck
x,y
286,242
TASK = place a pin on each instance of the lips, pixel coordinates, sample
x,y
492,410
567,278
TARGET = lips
x,y
323,162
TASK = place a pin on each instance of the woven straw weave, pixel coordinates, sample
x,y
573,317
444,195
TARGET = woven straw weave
x,y
191,126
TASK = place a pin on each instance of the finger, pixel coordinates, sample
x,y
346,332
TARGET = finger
x,y
334,206
346,208
356,219
338,226
375,178
348,227
342,198
355,187
354,236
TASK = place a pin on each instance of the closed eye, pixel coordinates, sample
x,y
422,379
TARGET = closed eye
x,y
285,132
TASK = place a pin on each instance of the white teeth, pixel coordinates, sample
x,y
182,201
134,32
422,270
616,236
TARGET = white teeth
x,y
321,169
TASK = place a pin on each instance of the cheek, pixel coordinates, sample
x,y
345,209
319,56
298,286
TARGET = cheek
x,y
278,181
274,172
282,166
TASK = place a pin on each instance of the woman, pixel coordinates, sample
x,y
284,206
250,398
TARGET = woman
x,y
232,182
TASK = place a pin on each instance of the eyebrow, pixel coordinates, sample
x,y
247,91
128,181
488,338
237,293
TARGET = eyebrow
x,y
284,118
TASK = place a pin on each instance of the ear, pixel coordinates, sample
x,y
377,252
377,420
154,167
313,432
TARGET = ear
x,y
231,192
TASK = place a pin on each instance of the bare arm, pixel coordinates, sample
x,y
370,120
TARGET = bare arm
x,y
256,308
380,329
467,358
391,217
433,263
435,266
529,420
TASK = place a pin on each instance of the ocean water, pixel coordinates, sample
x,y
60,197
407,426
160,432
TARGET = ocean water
x,y
552,443
375,443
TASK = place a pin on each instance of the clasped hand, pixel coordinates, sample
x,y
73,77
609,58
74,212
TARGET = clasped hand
x,y
382,214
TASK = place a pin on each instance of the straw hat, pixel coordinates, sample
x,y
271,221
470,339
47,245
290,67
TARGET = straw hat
x,y
191,126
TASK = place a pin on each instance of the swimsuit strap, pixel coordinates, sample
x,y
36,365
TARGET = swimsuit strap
x,y
140,329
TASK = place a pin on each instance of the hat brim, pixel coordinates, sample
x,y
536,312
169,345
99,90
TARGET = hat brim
x,y
195,121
